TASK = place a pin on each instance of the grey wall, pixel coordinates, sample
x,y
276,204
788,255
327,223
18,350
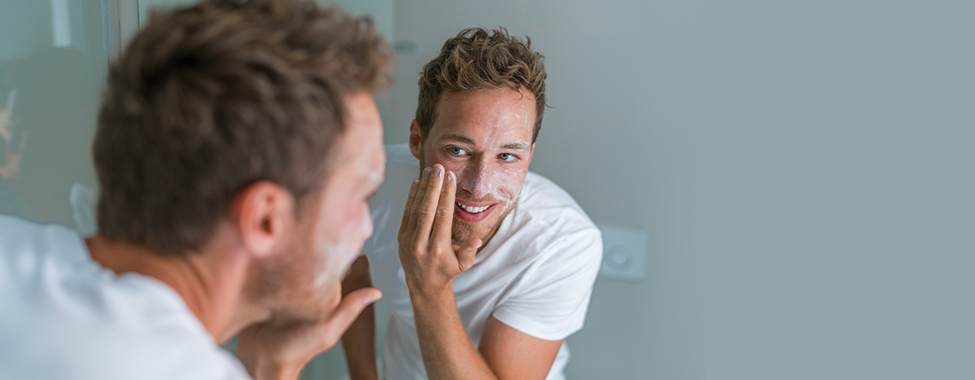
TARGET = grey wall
x,y
834,160
803,171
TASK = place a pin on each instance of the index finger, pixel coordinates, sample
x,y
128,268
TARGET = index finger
x,y
445,209
409,206
426,212
421,191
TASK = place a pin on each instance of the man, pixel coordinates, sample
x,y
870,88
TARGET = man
x,y
487,267
236,147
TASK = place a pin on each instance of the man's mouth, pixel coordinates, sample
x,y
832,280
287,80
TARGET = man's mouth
x,y
472,213
473,210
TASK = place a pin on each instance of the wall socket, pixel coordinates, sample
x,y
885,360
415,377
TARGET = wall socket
x,y
624,254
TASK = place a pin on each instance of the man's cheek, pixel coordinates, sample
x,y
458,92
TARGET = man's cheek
x,y
447,164
510,181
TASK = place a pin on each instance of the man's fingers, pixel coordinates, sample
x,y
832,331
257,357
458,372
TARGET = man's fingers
x,y
349,309
445,210
428,204
466,254
421,192
409,205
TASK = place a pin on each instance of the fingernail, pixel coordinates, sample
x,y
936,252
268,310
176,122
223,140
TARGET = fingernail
x,y
437,170
450,177
416,182
426,173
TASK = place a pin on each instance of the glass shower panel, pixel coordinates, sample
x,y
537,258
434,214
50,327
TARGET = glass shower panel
x,y
53,61
147,6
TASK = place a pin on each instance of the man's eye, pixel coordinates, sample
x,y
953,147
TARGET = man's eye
x,y
455,151
507,157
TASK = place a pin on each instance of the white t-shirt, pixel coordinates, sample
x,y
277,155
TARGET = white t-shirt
x,y
535,274
63,316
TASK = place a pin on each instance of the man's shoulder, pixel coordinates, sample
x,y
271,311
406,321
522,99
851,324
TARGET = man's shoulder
x,y
116,350
387,205
544,202
24,245
15,229
548,219
94,323
400,154
401,169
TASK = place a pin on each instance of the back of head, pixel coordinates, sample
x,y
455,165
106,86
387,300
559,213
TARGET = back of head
x,y
209,99
476,59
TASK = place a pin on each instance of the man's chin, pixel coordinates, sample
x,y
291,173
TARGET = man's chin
x,y
309,315
464,232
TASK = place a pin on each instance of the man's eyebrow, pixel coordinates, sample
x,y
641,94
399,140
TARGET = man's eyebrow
x,y
465,140
515,146
457,138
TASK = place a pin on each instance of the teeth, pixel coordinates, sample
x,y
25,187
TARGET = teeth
x,y
473,210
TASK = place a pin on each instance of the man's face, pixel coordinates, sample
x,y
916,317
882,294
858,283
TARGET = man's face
x,y
336,223
485,138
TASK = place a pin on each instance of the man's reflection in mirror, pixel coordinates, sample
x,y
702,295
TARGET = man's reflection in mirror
x,y
46,124
10,162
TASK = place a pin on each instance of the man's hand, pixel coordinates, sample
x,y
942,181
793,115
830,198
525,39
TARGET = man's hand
x,y
429,260
280,350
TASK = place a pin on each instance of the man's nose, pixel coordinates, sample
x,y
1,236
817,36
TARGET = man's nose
x,y
475,179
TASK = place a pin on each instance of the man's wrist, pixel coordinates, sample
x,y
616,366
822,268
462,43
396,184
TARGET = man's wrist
x,y
432,296
277,372
264,368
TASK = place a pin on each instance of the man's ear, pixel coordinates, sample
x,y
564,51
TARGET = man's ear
x,y
263,213
415,139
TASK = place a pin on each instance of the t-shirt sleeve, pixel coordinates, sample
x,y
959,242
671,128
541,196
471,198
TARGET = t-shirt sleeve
x,y
550,301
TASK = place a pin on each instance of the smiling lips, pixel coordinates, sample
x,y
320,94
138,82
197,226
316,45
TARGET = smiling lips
x,y
472,214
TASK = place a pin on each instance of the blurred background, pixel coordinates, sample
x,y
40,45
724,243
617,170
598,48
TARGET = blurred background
x,y
791,182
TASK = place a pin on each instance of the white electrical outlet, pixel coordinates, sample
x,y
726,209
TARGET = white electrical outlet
x,y
624,253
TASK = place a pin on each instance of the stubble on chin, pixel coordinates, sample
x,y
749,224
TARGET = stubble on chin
x,y
462,231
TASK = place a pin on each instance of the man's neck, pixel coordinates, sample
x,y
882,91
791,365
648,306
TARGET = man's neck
x,y
211,295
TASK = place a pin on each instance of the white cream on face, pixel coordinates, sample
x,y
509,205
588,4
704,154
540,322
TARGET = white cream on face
x,y
484,138
359,174
496,125
338,255
347,238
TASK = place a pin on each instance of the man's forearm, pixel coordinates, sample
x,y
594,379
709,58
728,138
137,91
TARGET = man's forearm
x,y
360,347
359,341
446,349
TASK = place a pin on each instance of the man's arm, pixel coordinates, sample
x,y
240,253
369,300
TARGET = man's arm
x,y
359,341
430,263
513,354
505,353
